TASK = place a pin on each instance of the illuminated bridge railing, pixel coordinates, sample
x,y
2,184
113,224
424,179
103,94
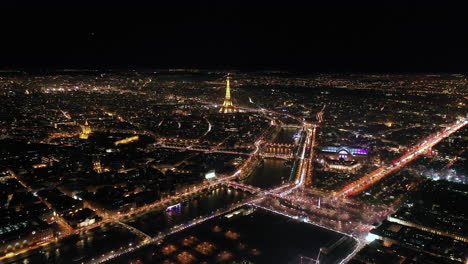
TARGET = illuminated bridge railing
x,y
279,156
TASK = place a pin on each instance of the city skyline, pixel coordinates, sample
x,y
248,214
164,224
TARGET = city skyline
x,y
175,165
183,134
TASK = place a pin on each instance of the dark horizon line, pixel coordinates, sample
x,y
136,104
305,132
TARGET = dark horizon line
x,y
32,70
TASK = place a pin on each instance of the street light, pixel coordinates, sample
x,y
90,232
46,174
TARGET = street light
x,y
318,256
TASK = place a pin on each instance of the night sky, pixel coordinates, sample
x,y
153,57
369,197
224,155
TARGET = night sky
x,y
235,37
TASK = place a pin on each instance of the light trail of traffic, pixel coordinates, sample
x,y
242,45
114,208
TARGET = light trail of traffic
x,y
305,163
373,177
66,228
310,168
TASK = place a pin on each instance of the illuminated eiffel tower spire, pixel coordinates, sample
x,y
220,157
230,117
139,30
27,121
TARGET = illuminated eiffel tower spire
x,y
227,107
228,89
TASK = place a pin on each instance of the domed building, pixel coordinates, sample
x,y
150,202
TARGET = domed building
x,y
341,157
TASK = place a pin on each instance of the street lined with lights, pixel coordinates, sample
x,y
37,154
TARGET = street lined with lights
x,y
378,174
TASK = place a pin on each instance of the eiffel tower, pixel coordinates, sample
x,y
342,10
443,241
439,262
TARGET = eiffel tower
x,y
227,107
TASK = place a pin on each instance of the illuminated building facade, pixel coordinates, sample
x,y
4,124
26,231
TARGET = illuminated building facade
x,y
97,166
227,107
343,158
351,166
23,233
85,130
126,140
343,152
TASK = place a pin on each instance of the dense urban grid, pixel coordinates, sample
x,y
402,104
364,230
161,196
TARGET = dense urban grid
x,y
197,166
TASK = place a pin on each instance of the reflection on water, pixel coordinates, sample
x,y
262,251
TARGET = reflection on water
x,y
286,136
270,173
208,202
79,248
95,242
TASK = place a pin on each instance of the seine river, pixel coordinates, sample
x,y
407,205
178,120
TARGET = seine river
x,y
95,242
251,236
273,172
208,202
270,173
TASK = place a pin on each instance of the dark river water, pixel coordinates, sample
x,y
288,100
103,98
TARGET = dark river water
x,y
252,236
273,172
270,173
286,135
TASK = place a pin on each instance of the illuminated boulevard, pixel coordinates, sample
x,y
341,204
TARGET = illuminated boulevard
x,y
418,150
